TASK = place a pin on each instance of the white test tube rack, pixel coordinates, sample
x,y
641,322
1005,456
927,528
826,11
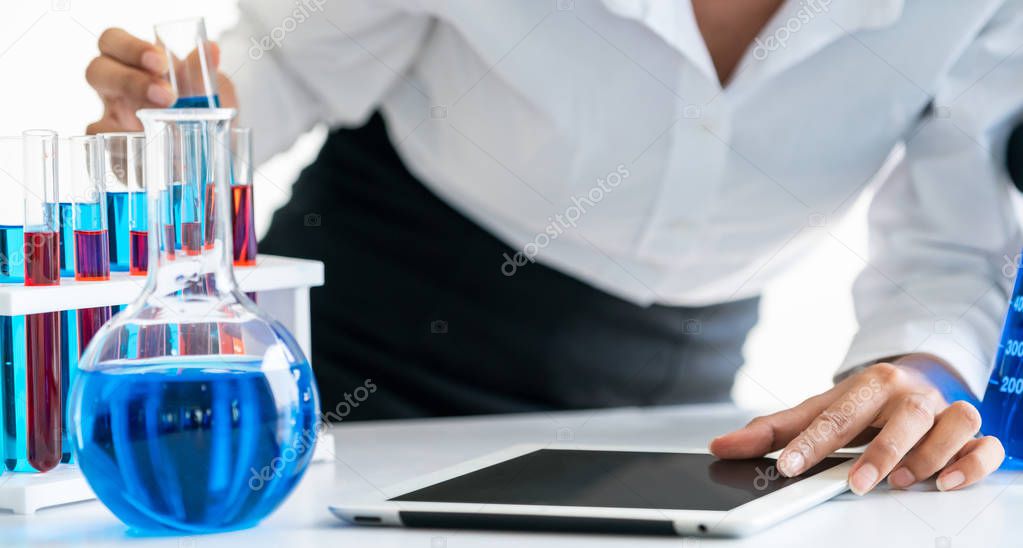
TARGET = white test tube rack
x,y
282,286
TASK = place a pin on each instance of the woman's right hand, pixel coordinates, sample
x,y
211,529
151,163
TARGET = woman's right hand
x,y
129,74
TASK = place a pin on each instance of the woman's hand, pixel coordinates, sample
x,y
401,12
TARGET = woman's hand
x,y
129,74
913,432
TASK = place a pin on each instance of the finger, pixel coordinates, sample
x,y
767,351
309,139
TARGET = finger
x,y
121,46
849,415
113,79
953,428
911,418
770,432
978,458
104,125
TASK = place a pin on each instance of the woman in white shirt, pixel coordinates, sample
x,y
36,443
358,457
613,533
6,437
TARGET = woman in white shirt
x,y
547,204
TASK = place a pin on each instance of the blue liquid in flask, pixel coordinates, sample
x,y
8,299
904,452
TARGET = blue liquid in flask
x,y
196,444
1001,409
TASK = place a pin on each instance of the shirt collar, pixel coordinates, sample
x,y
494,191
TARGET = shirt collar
x,y
799,29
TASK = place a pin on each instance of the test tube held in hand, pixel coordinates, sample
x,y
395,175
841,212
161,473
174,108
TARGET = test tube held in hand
x,y
191,70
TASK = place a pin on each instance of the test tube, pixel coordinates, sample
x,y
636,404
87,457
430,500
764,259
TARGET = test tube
x,y
191,73
42,331
12,328
138,208
189,203
190,150
12,214
122,168
242,222
121,171
92,246
68,318
65,217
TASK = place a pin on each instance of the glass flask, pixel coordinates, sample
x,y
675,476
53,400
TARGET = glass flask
x,y
1001,407
193,410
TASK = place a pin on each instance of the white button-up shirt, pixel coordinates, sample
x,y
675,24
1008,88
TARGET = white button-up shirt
x,y
594,137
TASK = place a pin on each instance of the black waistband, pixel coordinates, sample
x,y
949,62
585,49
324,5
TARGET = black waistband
x,y
417,305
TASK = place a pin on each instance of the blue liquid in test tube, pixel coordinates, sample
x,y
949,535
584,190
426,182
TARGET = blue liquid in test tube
x,y
66,234
117,226
200,101
12,352
12,242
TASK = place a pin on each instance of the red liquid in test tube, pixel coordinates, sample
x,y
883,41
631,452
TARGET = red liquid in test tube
x,y
138,243
42,334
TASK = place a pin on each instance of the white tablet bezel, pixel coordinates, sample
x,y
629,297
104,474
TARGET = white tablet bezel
x,y
374,508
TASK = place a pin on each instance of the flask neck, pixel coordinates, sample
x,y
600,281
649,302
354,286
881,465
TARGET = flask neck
x,y
187,186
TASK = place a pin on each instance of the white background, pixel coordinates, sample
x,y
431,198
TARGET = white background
x,y
45,45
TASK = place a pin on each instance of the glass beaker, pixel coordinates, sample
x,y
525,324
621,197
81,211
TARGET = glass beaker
x,y
190,69
193,410
1000,409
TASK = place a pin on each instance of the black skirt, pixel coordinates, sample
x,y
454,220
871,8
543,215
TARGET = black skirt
x,y
417,319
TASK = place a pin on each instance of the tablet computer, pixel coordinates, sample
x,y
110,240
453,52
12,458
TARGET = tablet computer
x,y
602,489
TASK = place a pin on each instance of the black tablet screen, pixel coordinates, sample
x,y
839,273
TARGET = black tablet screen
x,y
616,479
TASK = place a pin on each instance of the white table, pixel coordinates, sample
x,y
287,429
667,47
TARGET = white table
x,y
382,453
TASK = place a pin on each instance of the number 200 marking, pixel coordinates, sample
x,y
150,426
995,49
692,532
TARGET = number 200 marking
x,y
1011,385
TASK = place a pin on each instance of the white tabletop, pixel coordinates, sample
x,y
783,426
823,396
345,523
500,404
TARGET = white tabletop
x,y
383,453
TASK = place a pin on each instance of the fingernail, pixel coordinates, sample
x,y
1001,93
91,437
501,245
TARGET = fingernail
x,y
901,478
950,480
791,463
153,62
159,95
863,479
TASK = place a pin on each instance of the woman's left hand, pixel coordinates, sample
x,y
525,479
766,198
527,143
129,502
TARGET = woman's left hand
x,y
913,432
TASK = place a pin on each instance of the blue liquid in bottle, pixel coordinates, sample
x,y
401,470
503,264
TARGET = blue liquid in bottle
x,y
117,226
1001,410
195,444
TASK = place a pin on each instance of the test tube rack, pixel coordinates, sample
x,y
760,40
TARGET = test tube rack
x,y
282,286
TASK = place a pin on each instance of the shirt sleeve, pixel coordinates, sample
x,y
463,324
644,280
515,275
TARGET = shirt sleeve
x,y
295,64
943,232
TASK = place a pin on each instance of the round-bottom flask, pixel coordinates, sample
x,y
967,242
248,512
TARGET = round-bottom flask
x,y
193,410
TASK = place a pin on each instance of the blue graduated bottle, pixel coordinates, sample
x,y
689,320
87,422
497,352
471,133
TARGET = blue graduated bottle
x,y
1001,408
